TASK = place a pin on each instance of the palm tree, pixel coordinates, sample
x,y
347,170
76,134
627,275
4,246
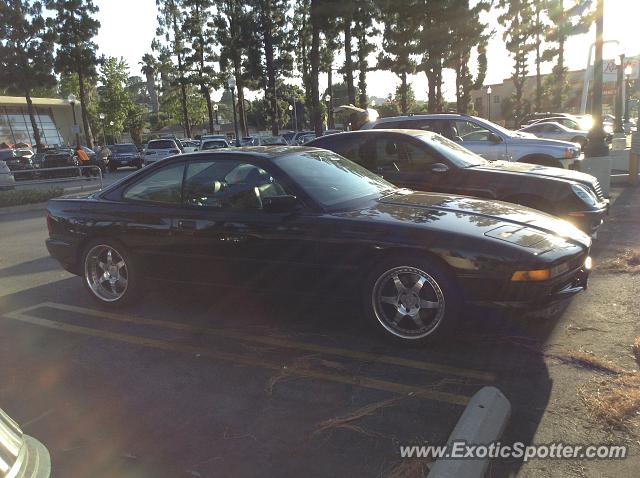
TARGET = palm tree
x,y
149,68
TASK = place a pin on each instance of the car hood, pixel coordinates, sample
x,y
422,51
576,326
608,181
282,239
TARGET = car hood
x,y
536,170
469,216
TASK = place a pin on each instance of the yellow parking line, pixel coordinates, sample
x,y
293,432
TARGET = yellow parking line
x,y
241,359
279,342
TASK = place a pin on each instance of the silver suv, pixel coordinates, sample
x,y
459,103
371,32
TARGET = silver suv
x,y
488,139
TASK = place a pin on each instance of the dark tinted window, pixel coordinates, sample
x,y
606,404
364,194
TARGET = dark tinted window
x,y
395,154
356,147
123,148
214,144
224,184
162,144
161,186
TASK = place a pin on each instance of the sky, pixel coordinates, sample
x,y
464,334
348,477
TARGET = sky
x,y
128,26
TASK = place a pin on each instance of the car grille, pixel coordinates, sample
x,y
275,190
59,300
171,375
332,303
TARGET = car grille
x,y
598,189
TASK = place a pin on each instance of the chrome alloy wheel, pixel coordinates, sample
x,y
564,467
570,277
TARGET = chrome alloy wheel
x,y
106,273
408,302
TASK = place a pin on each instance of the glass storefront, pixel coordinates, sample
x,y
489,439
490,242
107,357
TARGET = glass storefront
x,y
15,126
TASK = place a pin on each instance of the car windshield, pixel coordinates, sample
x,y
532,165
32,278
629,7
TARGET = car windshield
x,y
214,144
458,155
123,148
331,179
163,144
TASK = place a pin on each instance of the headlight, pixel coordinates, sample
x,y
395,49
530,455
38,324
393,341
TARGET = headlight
x,y
584,194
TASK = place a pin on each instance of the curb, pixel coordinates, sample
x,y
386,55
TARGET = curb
x,y
481,423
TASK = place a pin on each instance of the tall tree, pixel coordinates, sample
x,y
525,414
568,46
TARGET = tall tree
x,y
301,39
565,22
364,30
235,35
75,28
317,15
538,31
149,70
115,101
345,11
200,57
517,17
330,46
170,27
468,35
275,51
399,43
26,52
435,41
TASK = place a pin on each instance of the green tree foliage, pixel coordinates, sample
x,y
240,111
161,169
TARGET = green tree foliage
x,y
399,43
517,18
345,12
26,52
275,52
115,101
75,28
365,29
199,59
301,39
149,68
564,23
171,29
468,34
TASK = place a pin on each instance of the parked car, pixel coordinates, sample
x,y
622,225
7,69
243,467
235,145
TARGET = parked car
x,y
21,167
557,131
489,140
534,117
60,158
188,145
158,149
263,141
125,154
426,161
213,144
293,139
308,220
94,160
563,120
24,152
7,181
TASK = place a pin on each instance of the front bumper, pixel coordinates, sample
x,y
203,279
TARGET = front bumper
x,y
589,221
527,295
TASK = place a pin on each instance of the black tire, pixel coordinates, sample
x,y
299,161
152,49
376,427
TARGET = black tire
x,y
438,300
123,294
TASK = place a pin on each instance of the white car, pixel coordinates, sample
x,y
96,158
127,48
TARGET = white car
x,y
7,180
557,131
158,149
189,145
213,144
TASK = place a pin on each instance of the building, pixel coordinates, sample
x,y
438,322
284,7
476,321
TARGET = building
x,y
54,118
492,105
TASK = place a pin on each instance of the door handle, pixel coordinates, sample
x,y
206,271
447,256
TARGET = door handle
x,y
186,225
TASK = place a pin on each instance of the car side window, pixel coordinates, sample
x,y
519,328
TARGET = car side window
x,y
464,130
418,158
390,156
423,124
357,148
229,185
162,186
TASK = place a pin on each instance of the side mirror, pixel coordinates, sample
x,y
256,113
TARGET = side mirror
x,y
439,168
494,138
280,204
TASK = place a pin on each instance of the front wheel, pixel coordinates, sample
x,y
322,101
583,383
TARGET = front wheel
x,y
411,300
109,273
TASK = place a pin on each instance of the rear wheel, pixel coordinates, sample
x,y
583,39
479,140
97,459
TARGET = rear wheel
x,y
109,274
411,300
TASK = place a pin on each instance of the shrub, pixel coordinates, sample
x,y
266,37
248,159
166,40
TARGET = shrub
x,y
28,196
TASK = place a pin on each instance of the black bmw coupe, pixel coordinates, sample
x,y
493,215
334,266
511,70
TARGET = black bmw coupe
x,y
301,219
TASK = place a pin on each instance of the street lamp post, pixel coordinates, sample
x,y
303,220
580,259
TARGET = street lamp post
x,y
104,137
291,114
489,103
295,115
330,121
596,145
627,73
620,91
72,101
215,108
459,98
231,82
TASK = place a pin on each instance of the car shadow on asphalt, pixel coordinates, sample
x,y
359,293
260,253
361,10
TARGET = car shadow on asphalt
x,y
496,342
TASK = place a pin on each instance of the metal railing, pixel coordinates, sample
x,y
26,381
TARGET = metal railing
x,y
79,176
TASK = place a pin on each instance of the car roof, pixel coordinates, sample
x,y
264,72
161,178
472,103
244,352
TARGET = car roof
x,y
265,152
406,131
389,119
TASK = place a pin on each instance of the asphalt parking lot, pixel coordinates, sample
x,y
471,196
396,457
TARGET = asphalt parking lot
x,y
225,382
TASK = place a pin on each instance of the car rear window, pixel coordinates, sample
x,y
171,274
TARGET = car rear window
x,y
162,144
123,148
